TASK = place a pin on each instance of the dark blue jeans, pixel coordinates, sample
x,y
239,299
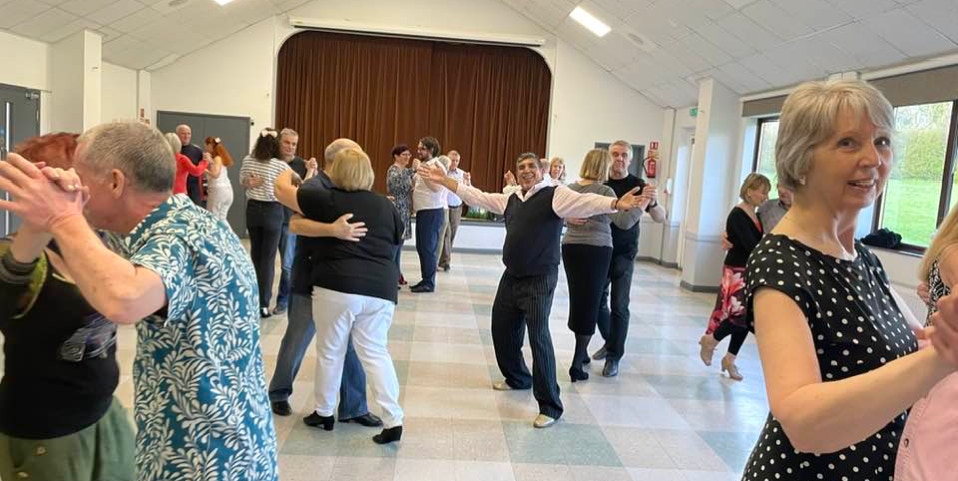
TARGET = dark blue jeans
x,y
287,251
614,324
428,229
299,332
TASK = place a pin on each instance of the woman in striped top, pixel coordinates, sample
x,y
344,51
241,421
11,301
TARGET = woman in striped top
x,y
264,215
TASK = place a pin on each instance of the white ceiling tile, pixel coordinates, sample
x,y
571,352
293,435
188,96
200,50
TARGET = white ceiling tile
x,y
867,47
748,31
723,40
773,18
739,4
75,26
115,11
766,69
711,9
250,12
685,55
622,9
109,33
909,34
136,20
20,11
737,73
861,9
711,53
816,14
37,26
288,5
940,14
83,7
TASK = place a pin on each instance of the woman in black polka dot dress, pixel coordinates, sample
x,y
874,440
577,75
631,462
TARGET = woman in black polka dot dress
x,y
841,362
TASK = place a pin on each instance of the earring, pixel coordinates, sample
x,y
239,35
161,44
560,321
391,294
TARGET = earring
x,y
801,181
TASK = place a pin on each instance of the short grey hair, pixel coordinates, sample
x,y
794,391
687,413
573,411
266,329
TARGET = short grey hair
x,y
809,116
174,141
339,144
622,143
444,160
288,132
139,151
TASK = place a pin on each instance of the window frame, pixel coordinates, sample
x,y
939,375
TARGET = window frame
x,y
758,138
947,181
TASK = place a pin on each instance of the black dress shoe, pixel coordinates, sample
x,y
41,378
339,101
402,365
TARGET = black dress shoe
x,y
388,435
611,368
577,373
421,289
315,420
369,420
281,408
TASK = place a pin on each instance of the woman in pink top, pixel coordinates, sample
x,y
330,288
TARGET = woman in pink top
x,y
184,166
924,451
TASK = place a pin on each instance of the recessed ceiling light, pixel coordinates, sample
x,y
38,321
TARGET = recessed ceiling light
x,y
222,2
588,21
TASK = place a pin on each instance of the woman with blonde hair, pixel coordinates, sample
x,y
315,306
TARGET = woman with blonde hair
x,y
587,254
840,358
728,318
184,166
218,179
354,285
557,170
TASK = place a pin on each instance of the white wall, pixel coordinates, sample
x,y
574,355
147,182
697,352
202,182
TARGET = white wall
x,y
588,104
119,89
24,62
66,73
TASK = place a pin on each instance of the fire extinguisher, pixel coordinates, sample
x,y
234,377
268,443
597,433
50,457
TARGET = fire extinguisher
x,y
651,159
650,167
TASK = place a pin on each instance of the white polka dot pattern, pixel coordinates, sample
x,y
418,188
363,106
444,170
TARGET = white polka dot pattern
x,y
856,327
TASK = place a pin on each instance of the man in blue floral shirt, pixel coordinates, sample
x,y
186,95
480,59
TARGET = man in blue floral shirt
x,y
201,407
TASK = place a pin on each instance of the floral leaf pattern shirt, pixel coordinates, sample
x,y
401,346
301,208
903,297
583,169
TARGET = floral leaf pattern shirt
x,y
201,407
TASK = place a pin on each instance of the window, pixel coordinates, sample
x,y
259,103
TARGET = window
x,y
919,190
765,149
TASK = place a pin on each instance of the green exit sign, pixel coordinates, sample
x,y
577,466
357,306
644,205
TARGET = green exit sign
x,y
694,112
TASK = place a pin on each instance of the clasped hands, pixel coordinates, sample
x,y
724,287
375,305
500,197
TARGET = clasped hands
x,y
42,196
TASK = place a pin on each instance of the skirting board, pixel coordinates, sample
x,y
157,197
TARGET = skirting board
x,y
709,289
652,260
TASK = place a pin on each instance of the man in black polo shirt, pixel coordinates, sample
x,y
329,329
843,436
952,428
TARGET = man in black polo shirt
x,y
194,185
288,141
614,325
531,255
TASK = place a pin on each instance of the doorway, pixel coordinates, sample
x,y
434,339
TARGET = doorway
x,y
234,132
19,120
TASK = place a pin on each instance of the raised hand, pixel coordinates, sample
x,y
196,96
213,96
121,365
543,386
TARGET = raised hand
x,y
923,292
432,172
651,193
41,197
510,178
349,231
631,200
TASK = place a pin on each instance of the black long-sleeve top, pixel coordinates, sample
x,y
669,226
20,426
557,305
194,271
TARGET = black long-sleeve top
x,y
744,235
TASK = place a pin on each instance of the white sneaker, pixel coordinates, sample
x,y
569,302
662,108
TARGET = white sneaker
x,y
543,421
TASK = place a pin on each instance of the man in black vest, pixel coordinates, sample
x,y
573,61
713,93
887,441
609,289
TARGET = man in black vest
x,y
194,185
531,255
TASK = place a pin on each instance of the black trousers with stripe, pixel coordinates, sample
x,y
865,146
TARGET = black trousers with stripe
x,y
526,302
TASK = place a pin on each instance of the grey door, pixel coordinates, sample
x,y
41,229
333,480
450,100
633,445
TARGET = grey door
x,y
19,120
638,158
234,132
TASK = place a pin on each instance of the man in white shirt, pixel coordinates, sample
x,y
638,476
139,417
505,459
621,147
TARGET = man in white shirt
x,y
429,202
455,208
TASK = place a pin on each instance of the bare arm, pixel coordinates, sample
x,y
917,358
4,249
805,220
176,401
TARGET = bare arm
x,y
216,167
823,417
122,292
28,244
285,190
340,229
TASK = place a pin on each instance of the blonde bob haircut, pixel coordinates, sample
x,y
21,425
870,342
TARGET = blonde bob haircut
x,y
809,116
752,182
351,170
595,166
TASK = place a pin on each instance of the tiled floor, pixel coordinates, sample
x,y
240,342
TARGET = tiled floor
x,y
665,417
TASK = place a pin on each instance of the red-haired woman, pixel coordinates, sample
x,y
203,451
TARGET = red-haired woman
x,y
58,417
220,190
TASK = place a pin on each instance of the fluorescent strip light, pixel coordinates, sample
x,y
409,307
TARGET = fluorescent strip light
x,y
222,2
588,21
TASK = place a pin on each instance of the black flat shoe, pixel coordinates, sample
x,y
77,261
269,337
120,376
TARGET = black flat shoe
x,y
577,374
420,289
611,368
281,408
388,435
369,420
315,420
264,313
